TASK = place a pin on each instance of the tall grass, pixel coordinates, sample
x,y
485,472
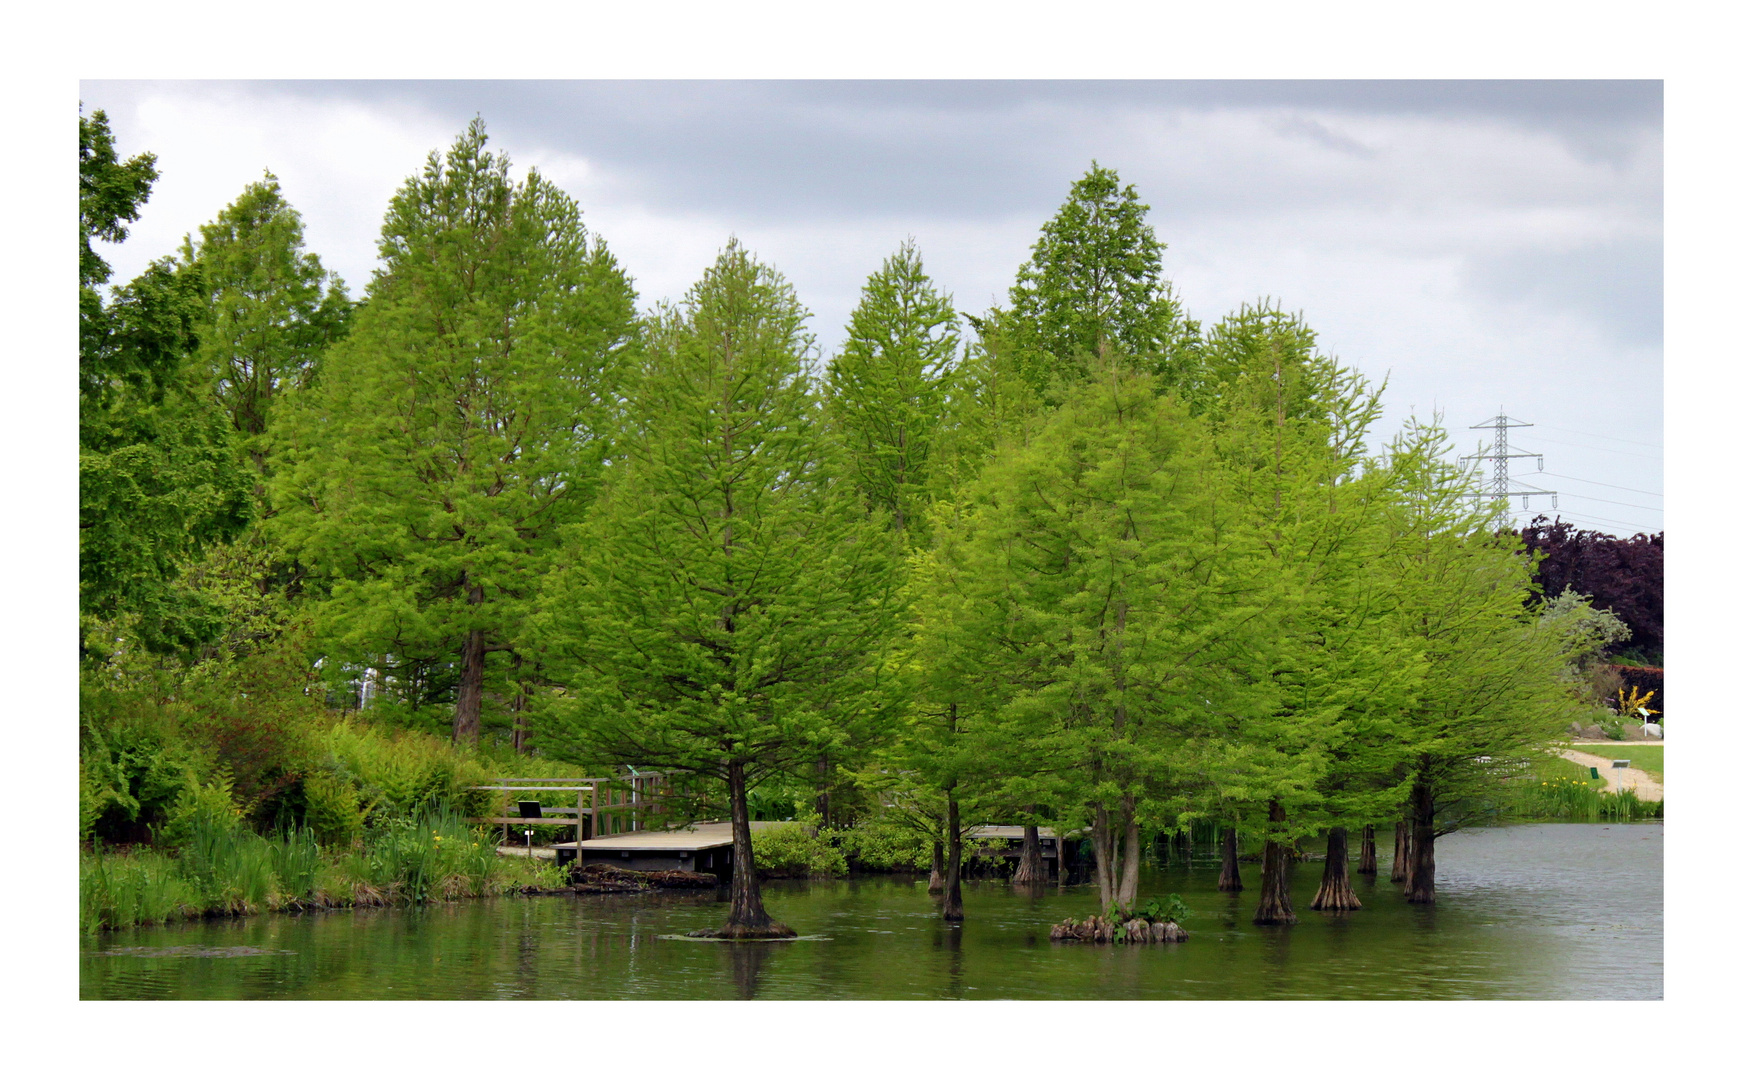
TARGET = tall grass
x,y
1582,800
225,868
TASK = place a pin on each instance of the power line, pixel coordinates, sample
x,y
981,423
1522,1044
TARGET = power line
x,y
1604,449
1600,483
1612,502
1590,435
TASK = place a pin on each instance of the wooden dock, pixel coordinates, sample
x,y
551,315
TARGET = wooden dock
x,y
705,847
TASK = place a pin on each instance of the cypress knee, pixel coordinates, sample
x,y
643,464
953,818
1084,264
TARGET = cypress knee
x,y
1274,906
1230,880
1368,863
935,884
1335,893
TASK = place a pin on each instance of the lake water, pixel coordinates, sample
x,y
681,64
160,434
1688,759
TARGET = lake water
x,y
1533,911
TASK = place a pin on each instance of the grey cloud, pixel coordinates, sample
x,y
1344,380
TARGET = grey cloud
x,y
1617,284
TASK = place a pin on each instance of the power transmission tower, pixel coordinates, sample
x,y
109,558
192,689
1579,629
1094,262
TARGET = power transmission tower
x,y
1500,488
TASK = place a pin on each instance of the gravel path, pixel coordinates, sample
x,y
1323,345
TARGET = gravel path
x,y
1619,779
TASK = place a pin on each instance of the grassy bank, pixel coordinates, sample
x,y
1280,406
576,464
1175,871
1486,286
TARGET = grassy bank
x,y
1560,790
1649,759
225,868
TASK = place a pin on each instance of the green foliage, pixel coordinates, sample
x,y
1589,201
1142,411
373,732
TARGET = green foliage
x,y
724,608
1173,909
884,844
797,850
1093,288
158,476
886,389
461,424
267,309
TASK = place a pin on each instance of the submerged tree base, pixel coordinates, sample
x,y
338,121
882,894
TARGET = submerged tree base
x,y
771,932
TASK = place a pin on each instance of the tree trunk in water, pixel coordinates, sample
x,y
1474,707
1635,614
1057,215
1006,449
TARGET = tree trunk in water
x,y
469,698
1369,862
1230,881
1128,894
1101,843
935,884
1419,886
747,919
1400,850
1274,906
1030,868
953,863
1335,893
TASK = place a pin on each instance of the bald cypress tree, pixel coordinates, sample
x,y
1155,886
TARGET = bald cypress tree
x,y
724,610
462,423
1093,287
885,391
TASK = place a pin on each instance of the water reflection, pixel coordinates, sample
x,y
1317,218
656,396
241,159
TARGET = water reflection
x,y
1564,911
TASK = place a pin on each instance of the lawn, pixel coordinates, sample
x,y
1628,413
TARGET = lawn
x,y
1649,758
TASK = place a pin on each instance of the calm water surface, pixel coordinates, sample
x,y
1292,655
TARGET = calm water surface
x,y
1535,911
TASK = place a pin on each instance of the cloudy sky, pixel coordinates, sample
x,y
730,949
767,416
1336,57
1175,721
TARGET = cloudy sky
x,y
1483,245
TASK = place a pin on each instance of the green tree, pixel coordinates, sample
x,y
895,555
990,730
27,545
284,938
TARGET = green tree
x,y
269,309
1075,595
1290,427
1093,286
459,426
158,479
886,388
1493,695
729,600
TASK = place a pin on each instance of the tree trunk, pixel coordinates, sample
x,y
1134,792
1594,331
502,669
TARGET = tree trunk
x,y
1102,846
1369,862
1128,894
1030,868
1335,893
1274,906
823,789
1419,886
953,863
1400,850
747,919
1230,880
469,699
935,884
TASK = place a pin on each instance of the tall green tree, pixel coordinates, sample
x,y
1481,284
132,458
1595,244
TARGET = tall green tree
x,y
461,424
727,604
1494,693
1290,425
268,308
158,478
1079,579
1093,286
886,388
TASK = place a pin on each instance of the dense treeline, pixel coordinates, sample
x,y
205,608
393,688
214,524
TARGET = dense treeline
x,y
1078,562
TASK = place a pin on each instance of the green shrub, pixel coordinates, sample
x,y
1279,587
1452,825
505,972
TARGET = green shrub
x,y
884,845
797,851
332,807
211,802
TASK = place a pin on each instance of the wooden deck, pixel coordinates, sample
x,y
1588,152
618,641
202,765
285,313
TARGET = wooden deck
x,y
705,847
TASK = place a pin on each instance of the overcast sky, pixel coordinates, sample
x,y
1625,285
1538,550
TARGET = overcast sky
x,y
1481,244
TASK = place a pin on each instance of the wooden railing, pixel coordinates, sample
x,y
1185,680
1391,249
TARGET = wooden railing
x,y
604,805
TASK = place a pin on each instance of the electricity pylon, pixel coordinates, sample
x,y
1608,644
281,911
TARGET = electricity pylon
x,y
1500,488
